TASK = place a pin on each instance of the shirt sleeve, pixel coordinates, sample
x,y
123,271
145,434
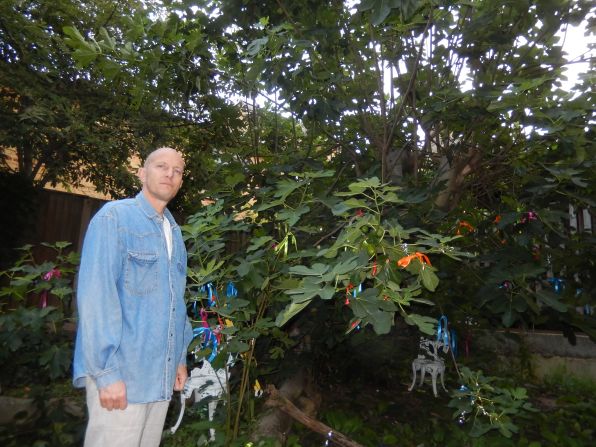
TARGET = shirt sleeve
x,y
98,302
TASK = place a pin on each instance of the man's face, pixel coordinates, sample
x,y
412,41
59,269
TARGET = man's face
x,y
162,175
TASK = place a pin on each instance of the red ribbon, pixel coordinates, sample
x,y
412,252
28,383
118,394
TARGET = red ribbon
x,y
348,291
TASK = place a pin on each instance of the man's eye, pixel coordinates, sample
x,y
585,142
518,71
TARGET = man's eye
x,y
178,171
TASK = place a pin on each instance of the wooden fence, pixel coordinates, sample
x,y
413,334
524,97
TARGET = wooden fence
x,y
62,217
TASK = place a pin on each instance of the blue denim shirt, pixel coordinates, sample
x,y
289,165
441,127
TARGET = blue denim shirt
x,y
133,324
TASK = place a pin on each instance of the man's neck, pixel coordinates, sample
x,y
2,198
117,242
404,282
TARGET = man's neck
x,y
157,205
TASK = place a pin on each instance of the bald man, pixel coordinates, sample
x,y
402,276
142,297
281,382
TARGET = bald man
x,y
133,330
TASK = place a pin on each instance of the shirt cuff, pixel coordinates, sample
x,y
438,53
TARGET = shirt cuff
x,y
107,377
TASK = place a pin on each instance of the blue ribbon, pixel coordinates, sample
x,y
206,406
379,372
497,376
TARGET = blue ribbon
x,y
442,331
453,341
505,285
357,290
558,284
211,293
209,338
231,290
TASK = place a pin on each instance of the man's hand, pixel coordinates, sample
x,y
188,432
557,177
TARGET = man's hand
x,y
181,376
113,397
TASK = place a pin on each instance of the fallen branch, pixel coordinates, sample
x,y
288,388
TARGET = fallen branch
x,y
276,399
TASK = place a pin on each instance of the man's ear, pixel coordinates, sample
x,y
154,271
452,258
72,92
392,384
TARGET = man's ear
x,y
141,174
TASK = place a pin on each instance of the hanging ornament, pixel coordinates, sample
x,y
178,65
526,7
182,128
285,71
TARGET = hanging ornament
x,y
53,273
529,216
203,315
462,224
442,331
453,341
209,289
405,261
536,252
209,338
348,293
507,285
374,269
557,283
461,418
231,291
258,390
354,325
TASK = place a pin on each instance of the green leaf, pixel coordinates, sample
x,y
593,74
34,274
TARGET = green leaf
x,y
269,204
258,242
381,321
74,34
285,187
84,56
256,46
551,300
426,324
317,269
291,309
429,279
379,12
236,345
345,266
292,216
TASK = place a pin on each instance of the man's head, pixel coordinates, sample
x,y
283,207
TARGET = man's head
x,y
161,176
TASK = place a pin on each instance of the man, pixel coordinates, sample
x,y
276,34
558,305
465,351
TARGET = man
x,y
133,330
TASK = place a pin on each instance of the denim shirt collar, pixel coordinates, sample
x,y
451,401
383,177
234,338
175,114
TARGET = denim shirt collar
x,y
152,213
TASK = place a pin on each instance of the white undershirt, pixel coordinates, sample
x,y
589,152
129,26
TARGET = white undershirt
x,y
167,230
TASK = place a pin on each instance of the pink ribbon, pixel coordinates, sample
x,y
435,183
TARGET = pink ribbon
x,y
54,273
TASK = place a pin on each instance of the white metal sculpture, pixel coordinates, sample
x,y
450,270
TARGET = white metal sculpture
x,y
205,383
430,362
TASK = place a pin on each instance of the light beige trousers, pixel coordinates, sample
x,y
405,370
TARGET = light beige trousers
x,y
140,425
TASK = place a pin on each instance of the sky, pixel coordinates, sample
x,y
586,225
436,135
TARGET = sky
x,y
576,45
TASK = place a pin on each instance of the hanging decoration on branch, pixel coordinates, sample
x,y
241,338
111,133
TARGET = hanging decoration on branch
x,y
528,217
506,285
54,273
405,261
231,291
352,291
208,340
211,292
558,284
429,360
463,228
464,393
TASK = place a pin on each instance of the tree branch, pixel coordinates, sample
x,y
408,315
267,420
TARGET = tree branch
x,y
276,399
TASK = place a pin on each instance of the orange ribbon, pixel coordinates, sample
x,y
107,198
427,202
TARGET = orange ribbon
x,y
464,224
405,261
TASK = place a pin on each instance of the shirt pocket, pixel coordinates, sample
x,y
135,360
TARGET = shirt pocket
x,y
141,274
